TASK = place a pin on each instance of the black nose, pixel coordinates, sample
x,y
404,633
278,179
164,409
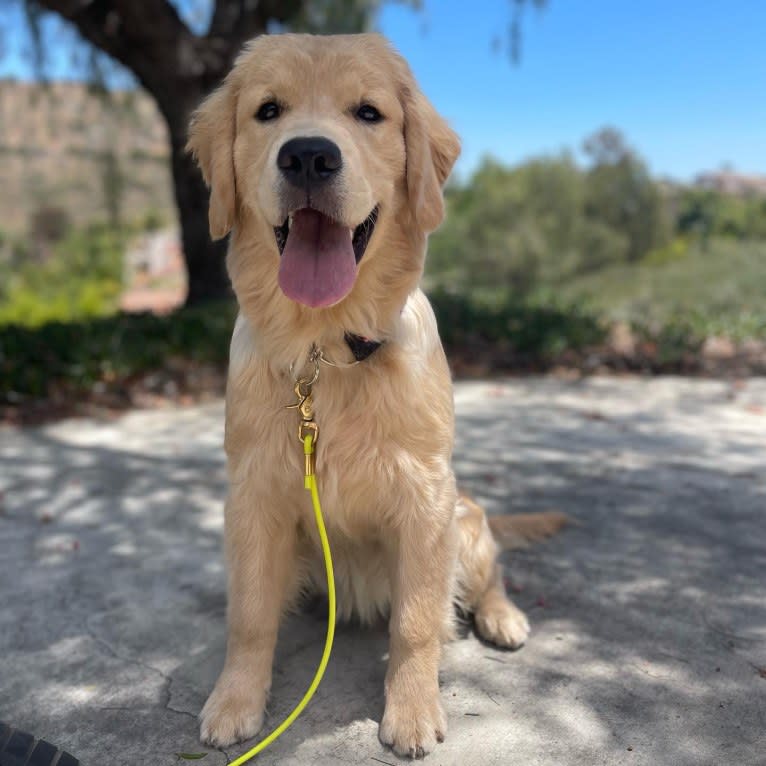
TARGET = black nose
x,y
309,161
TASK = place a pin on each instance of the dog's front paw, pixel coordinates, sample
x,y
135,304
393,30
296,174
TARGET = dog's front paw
x,y
231,714
413,726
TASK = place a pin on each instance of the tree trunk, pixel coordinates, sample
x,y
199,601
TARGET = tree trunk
x,y
177,68
205,259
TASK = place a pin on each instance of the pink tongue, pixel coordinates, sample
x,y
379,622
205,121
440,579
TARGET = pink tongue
x,y
318,266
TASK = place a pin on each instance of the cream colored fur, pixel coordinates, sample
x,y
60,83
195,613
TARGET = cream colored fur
x,y
403,543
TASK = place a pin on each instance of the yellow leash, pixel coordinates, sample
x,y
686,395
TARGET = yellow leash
x,y
310,482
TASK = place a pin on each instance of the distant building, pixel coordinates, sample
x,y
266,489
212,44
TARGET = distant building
x,y
730,182
154,273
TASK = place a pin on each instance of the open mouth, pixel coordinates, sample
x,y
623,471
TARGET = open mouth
x,y
320,256
359,240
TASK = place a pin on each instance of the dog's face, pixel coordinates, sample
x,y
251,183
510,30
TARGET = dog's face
x,y
328,148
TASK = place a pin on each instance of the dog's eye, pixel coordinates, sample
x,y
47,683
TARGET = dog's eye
x,y
268,111
368,113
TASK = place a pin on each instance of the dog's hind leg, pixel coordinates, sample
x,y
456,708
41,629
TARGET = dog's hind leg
x,y
480,588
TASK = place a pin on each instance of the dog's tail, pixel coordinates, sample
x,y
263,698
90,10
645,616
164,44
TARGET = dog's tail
x,y
516,530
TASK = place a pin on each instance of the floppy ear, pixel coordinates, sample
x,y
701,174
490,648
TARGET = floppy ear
x,y
432,148
211,142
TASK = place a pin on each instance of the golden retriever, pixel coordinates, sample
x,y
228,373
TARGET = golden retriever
x,y
326,163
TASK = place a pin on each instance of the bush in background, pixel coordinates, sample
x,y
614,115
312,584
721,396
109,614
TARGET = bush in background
x,y
74,356
547,220
79,277
543,326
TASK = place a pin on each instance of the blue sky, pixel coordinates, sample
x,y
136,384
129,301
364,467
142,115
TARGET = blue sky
x,y
685,80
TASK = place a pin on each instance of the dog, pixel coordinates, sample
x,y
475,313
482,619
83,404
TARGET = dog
x,y
326,164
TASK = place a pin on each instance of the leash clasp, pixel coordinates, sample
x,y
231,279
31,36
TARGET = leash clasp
x,y
305,406
308,430
305,403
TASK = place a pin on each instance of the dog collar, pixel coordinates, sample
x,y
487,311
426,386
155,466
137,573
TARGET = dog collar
x,y
361,347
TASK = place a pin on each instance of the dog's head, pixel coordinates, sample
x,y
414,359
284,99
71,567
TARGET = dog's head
x,y
324,151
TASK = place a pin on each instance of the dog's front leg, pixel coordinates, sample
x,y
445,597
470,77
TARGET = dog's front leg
x,y
260,554
421,576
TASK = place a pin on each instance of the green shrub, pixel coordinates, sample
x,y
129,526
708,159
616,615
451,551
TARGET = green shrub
x,y
542,326
76,355
675,250
80,279
673,340
26,306
73,356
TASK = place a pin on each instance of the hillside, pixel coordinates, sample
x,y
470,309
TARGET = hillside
x,y
719,289
62,145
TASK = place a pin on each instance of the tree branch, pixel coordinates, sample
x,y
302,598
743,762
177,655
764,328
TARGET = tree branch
x,y
234,22
147,37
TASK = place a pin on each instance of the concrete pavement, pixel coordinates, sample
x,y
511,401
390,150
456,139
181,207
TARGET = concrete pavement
x,y
648,617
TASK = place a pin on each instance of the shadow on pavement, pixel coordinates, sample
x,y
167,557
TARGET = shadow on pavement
x,y
649,616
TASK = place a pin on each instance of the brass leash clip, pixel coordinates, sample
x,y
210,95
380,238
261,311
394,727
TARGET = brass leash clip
x,y
305,406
